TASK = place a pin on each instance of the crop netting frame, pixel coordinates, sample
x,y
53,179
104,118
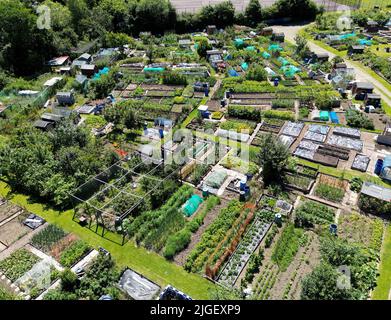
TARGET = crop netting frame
x,y
103,182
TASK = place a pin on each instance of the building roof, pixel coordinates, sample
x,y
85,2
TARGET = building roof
x,y
88,67
51,117
81,78
59,61
51,82
358,47
384,140
372,23
364,85
374,96
376,191
322,55
41,124
184,42
85,56
64,94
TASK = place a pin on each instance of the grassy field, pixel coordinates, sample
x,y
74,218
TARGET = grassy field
x,y
382,290
150,264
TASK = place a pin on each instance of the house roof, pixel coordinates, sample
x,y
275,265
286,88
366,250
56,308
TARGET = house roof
x,y
81,78
376,191
64,94
51,82
372,23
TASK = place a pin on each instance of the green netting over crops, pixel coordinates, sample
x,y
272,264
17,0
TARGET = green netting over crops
x,y
265,55
346,36
239,43
274,48
283,61
191,205
244,66
289,71
250,48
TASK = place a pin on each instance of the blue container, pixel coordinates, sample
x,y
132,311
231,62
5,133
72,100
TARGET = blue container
x,y
249,176
243,184
276,81
206,92
247,191
378,166
161,133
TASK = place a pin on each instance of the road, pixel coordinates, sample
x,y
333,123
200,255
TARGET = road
x,y
240,5
290,33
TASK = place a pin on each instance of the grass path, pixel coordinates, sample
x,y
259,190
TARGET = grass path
x,y
150,264
382,291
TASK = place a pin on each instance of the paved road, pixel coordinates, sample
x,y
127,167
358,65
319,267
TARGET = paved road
x,y
240,5
361,75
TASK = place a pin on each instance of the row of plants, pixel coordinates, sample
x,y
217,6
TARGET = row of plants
x,y
287,246
46,238
329,193
311,213
181,239
74,253
248,244
152,228
213,235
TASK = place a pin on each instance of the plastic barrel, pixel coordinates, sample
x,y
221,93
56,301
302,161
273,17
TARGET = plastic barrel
x,y
333,229
278,219
242,196
161,133
243,183
205,192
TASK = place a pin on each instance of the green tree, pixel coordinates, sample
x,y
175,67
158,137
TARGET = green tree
x,y
253,13
273,157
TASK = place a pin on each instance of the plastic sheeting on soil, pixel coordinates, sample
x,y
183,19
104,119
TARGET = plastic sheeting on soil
x,y
317,128
287,140
309,145
314,136
347,132
138,287
243,137
345,142
293,128
304,153
361,162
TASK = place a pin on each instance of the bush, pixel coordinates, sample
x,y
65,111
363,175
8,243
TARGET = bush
x,y
256,72
242,112
357,119
356,184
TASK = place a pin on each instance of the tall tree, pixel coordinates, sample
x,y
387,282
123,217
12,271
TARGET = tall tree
x,y
272,157
253,13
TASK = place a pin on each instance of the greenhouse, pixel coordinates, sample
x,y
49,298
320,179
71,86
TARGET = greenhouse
x,y
386,169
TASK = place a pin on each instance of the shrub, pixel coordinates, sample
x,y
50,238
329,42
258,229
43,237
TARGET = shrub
x,y
357,119
356,184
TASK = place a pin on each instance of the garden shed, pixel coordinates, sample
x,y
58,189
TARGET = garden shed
x,y
375,191
386,169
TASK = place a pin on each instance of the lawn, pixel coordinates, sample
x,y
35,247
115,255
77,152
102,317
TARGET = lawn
x,y
150,264
382,290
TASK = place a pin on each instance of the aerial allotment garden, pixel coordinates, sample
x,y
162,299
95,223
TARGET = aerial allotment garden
x,y
194,166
